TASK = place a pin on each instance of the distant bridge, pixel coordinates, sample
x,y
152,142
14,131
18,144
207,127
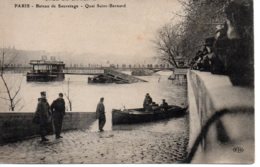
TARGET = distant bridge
x,y
112,72
101,70
84,71
93,70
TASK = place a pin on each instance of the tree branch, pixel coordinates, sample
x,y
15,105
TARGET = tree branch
x,y
6,86
17,102
18,90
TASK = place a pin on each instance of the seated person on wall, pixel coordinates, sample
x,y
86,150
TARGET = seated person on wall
x,y
194,61
220,49
198,64
202,59
233,46
207,54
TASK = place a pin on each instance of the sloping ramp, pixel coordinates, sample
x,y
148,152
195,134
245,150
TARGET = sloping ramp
x,y
122,76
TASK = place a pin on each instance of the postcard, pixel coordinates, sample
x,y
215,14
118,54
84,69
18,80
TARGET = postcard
x,y
127,82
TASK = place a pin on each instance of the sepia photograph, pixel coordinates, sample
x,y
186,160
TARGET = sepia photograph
x,y
127,82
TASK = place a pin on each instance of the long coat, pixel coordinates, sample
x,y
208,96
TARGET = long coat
x,y
43,111
147,101
100,112
58,112
58,106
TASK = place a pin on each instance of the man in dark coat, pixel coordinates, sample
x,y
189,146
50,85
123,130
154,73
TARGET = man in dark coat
x,y
100,113
43,114
164,106
147,102
58,112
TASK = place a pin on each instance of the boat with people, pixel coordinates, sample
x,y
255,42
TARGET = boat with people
x,y
46,70
140,115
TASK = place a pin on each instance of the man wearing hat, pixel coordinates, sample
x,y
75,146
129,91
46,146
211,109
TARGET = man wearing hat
x,y
100,114
58,112
43,113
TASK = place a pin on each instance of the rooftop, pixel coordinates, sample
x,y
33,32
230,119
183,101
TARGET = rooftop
x,y
46,62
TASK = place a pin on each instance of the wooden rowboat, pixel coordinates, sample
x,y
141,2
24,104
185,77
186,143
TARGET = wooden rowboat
x,y
138,115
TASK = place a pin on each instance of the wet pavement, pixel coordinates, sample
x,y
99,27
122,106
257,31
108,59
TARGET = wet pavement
x,y
160,142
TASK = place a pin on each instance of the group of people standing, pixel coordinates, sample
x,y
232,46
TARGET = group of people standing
x,y
46,113
55,112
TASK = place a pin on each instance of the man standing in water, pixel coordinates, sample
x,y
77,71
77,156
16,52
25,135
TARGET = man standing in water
x,y
58,112
43,113
100,114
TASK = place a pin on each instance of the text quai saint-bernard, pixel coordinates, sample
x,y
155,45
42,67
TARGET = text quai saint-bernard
x,y
88,6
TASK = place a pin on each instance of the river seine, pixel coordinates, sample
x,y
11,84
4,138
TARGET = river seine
x,y
85,96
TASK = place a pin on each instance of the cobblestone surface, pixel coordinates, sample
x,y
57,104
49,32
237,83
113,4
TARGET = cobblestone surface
x,y
163,142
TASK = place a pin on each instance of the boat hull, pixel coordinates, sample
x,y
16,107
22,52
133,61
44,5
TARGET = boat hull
x,y
132,116
45,77
98,80
104,79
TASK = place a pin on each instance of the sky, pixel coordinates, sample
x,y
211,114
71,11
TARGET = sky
x,y
122,33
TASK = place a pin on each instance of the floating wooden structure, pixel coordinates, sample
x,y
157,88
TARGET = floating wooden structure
x,y
46,70
113,76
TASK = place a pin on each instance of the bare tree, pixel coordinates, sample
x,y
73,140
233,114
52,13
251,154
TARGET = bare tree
x,y
68,95
168,44
11,94
200,19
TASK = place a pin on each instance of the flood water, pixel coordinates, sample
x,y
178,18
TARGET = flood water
x,y
85,96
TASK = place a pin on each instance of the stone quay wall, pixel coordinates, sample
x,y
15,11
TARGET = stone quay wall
x,y
221,120
15,126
